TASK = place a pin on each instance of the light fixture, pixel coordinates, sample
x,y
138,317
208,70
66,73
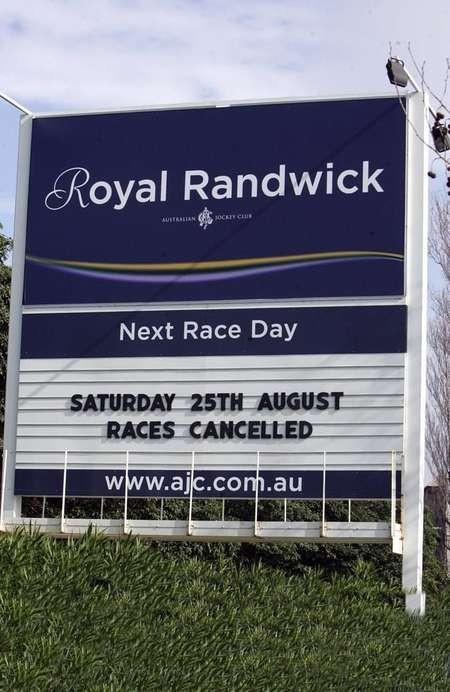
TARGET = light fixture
x,y
439,132
396,72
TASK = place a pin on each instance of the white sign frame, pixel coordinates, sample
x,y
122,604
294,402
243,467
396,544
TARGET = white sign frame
x,y
407,536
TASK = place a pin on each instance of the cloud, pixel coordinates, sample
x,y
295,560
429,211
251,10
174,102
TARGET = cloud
x,y
110,52
84,54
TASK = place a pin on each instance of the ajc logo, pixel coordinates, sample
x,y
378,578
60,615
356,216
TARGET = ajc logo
x,y
205,218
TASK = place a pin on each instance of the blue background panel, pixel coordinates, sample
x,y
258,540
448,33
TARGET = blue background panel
x,y
327,244
368,329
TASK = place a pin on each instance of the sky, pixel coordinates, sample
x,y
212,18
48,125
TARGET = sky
x,y
83,54
86,54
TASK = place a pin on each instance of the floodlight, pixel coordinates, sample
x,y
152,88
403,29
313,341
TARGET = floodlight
x,y
441,140
396,72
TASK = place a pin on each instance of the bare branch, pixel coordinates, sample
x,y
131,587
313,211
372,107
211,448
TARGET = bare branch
x,y
444,91
439,241
425,85
438,381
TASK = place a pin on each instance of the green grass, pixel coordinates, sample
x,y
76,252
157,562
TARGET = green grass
x,y
94,614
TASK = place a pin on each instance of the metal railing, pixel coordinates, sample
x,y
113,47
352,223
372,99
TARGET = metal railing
x,y
395,535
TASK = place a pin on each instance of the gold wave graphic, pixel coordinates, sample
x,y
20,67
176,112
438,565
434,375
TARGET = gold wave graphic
x,y
211,264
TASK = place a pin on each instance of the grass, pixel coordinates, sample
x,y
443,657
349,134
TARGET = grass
x,y
93,614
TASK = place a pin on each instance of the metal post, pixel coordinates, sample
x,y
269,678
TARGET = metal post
x,y
64,488
191,496
393,492
256,494
2,506
402,505
416,86
415,384
125,503
12,502
14,103
397,539
102,506
349,510
223,510
161,510
285,510
324,476
43,507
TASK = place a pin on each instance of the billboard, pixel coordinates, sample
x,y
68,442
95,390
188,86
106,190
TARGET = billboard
x,y
224,301
225,284
249,202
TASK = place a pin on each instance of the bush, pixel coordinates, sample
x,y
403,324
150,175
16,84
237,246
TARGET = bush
x,y
93,614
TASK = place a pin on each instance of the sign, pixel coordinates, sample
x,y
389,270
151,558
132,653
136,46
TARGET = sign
x,y
245,203
223,302
224,332
173,263
280,484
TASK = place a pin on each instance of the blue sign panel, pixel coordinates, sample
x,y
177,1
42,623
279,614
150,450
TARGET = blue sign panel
x,y
259,331
281,484
287,200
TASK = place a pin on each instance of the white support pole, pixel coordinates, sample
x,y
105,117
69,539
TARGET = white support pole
x,y
415,383
349,510
393,492
64,489
223,510
402,504
12,502
125,501
161,509
102,507
397,541
14,103
191,495
285,510
2,506
417,87
324,488
256,494
44,501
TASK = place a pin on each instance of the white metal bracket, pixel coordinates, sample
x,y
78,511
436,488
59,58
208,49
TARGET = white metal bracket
x,y
256,531
16,104
191,496
323,530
